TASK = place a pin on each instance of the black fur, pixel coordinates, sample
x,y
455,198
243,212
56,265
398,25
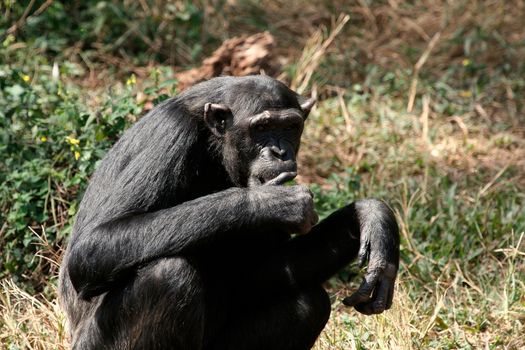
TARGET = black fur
x,y
182,240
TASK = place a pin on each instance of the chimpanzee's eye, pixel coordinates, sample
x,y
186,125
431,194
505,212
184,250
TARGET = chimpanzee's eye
x,y
292,127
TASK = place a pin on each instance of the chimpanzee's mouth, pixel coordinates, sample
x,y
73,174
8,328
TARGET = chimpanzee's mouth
x,y
273,173
278,179
281,178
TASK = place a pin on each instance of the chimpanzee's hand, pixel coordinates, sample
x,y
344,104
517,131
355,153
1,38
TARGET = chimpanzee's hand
x,y
379,245
290,206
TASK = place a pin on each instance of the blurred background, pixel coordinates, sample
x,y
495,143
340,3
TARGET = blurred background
x,y
421,103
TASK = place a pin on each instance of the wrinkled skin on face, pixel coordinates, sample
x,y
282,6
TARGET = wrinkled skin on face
x,y
267,141
276,135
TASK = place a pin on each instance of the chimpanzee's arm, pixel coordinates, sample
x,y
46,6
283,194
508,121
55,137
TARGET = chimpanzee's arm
x,y
101,256
366,229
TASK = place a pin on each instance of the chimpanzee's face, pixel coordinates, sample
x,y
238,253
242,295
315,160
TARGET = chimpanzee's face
x,y
260,132
274,136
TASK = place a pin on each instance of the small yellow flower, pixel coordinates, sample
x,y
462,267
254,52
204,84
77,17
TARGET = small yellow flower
x,y
26,77
465,93
466,62
72,140
43,139
131,80
77,155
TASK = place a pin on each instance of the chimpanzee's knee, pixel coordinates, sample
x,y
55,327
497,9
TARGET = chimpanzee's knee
x,y
166,279
170,294
165,297
313,308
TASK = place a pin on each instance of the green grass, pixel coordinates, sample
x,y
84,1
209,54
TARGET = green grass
x,y
462,274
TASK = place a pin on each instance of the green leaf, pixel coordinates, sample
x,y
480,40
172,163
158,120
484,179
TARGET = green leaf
x,y
16,90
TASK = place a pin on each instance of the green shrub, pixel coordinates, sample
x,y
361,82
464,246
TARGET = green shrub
x,y
50,143
134,30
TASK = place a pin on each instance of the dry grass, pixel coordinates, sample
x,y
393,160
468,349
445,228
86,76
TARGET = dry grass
x,y
29,321
33,321
417,317
430,40
434,317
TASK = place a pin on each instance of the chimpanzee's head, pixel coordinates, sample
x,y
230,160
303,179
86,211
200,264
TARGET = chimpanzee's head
x,y
258,123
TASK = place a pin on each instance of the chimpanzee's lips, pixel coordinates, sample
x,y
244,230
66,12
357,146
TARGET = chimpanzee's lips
x,y
277,175
272,173
279,179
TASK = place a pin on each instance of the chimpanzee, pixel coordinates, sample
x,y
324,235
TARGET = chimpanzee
x,y
186,237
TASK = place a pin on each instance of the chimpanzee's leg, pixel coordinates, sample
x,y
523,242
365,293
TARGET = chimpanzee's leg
x,y
281,304
291,321
303,263
161,308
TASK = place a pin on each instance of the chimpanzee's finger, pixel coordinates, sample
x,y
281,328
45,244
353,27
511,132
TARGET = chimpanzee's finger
x,y
364,253
310,192
365,308
282,178
390,298
355,299
376,304
364,291
307,227
380,297
315,218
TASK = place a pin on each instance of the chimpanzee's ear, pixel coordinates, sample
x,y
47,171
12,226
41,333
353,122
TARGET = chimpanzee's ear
x,y
218,118
306,105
